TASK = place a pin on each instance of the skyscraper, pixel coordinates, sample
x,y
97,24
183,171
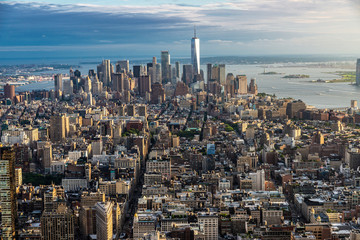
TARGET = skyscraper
x,y
144,85
209,70
165,67
57,128
58,223
104,72
58,82
7,190
187,76
104,220
242,81
358,72
222,77
117,82
9,92
137,70
177,69
122,66
195,53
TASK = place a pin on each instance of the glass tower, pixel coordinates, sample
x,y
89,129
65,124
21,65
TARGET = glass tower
x,y
195,54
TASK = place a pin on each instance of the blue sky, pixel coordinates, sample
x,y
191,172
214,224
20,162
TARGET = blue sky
x,y
144,28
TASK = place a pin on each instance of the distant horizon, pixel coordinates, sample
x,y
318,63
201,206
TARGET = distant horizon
x,y
92,59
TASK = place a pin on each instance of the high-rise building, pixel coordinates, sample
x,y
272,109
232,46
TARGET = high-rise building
x,y
137,70
144,85
157,93
242,83
358,72
222,74
157,74
9,92
7,193
253,89
104,220
258,180
187,76
87,85
177,69
18,177
57,128
58,83
209,71
165,67
104,73
57,223
68,88
195,53
117,82
210,223
122,66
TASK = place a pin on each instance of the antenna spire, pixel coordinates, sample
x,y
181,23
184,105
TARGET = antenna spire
x,y
194,31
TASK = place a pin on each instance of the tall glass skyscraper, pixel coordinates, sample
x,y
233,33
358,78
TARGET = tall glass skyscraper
x,y
165,67
195,54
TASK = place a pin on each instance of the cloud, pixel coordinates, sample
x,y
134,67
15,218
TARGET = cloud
x,y
220,41
233,26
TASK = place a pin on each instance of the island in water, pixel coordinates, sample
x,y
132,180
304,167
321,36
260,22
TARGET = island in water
x,y
297,76
346,76
271,73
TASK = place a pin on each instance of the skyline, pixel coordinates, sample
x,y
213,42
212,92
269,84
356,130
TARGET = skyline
x,y
45,28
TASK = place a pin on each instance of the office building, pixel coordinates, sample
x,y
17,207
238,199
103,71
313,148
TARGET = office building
x,y
104,73
58,84
210,222
144,85
241,81
258,180
18,177
68,88
58,128
165,67
9,92
222,74
87,84
122,66
137,70
157,93
8,193
188,75
177,69
209,71
104,220
195,54
117,82
58,223
253,88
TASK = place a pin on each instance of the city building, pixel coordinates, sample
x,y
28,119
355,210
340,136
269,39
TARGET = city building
x,y
8,193
195,54
104,220
9,92
58,223
165,67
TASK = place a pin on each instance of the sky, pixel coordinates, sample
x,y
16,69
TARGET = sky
x,y
54,28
